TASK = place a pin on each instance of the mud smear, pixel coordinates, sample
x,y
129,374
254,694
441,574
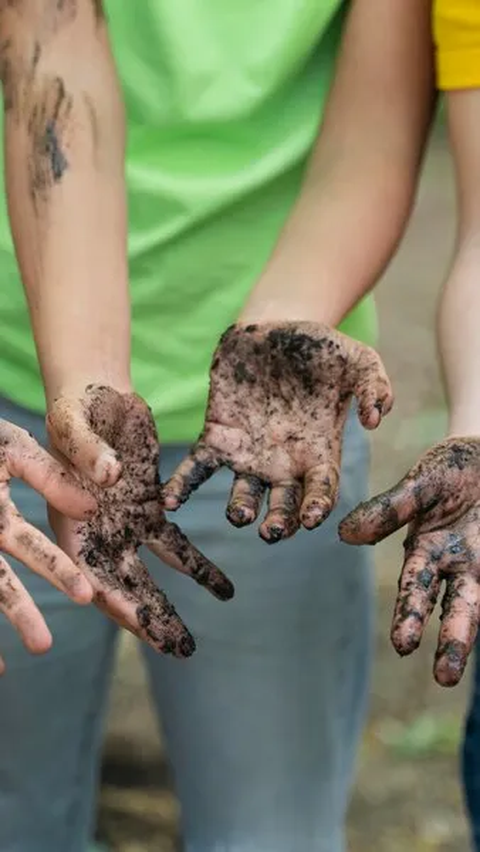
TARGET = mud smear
x,y
439,498
279,398
130,514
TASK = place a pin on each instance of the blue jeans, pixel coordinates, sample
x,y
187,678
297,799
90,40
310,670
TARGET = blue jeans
x,y
261,725
471,755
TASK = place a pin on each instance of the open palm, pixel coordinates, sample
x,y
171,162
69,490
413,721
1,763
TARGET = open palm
x,y
279,398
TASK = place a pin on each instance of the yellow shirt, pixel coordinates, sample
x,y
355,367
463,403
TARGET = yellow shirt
x,y
456,28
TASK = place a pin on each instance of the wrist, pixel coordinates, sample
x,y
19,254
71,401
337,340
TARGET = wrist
x,y
75,384
293,285
294,293
305,280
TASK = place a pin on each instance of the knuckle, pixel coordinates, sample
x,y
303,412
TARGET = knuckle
x,y
10,597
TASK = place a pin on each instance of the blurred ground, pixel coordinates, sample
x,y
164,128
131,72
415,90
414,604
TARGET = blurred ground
x,y
407,794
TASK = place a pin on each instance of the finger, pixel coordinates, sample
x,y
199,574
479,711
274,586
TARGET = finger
x,y
460,614
38,553
71,434
193,471
174,548
418,590
126,609
27,460
245,501
374,394
157,619
320,494
20,610
119,600
282,519
381,516
129,597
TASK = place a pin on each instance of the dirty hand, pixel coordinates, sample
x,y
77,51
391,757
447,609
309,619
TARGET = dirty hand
x,y
111,440
22,457
279,397
440,500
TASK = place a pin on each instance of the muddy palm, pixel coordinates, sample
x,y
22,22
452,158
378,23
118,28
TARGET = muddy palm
x,y
111,440
279,398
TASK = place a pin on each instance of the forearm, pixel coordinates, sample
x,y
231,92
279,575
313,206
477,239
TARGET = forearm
x,y
459,341
361,181
459,307
64,151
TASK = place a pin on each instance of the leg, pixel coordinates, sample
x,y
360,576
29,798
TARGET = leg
x,y
51,709
262,724
471,756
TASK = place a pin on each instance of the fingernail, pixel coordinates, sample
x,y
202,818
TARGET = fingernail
x,y
223,589
186,646
272,534
107,469
239,516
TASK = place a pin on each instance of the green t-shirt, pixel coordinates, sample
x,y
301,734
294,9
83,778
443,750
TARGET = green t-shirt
x,y
223,101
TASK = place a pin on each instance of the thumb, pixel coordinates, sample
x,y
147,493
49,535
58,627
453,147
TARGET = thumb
x,y
382,515
72,435
372,390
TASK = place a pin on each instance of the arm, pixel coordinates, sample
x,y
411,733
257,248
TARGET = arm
x,y
65,134
360,184
351,213
64,152
439,497
459,308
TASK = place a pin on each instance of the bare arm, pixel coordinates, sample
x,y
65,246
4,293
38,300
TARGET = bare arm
x,y
459,309
361,182
439,497
64,150
351,213
65,134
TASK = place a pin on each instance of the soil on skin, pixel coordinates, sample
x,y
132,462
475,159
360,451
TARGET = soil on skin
x,y
407,794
